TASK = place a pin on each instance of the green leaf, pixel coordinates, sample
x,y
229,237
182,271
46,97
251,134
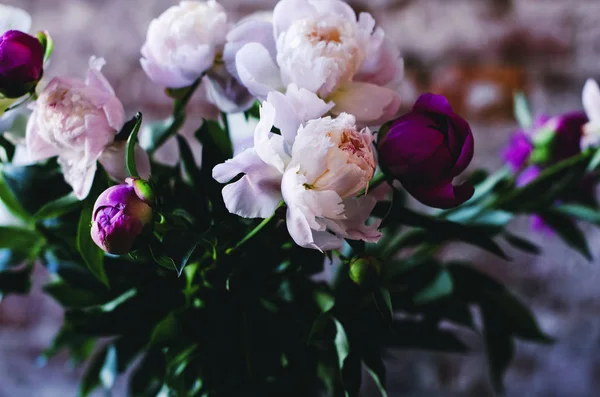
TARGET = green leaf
x,y
18,245
439,230
26,183
441,287
376,369
342,346
108,372
477,287
179,246
47,44
594,162
148,378
580,212
522,243
15,281
407,334
70,297
165,330
131,142
522,112
58,207
568,231
383,302
12,204
499,347
546,188
90,252
91,377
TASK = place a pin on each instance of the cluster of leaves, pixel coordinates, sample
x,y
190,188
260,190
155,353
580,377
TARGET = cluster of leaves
x,y
211,304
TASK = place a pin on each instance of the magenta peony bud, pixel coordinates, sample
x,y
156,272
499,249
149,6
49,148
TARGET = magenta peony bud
x,y
21,63
120,215
425,149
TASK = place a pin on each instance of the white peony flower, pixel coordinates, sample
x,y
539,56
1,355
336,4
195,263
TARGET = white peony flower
x,y
77,121
591,105
184,42
13,18
317,166
321,46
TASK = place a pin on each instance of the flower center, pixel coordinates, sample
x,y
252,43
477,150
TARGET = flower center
x,y
320,54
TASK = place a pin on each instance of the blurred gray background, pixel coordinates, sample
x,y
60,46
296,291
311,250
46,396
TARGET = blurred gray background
x,y
476,52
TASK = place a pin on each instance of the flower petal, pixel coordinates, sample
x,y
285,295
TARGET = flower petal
x,y
258,193
336,7
369,103
113,161
286,12
270,147
257,70
167,76
13,18
591,100
95,78
78,173
37,147
248,31
353,227
432,103
441,195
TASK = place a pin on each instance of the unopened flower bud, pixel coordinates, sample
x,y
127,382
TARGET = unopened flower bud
x,y
21,63
364,270
120,214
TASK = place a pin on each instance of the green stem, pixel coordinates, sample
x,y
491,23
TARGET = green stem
x,y
179,116
252,233
377,180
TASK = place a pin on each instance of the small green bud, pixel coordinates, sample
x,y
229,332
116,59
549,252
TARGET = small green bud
x,y
142,189
364,270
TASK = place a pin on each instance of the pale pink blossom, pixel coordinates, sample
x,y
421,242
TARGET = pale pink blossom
x,y
321,46
75,120
591,105
317,166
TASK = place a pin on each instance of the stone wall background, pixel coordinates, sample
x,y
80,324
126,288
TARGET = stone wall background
x,y
477,52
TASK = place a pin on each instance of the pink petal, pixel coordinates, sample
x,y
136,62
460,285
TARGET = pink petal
x,y
256,70
286,12
37,147
257,194
369,103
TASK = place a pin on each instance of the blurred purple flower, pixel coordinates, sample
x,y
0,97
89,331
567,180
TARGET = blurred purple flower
x,y
21,63
517,151
119,215
425,149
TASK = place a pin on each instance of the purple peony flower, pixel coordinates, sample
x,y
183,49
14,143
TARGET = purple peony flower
x,y
569,130
517,151
425,149
120,214
21,63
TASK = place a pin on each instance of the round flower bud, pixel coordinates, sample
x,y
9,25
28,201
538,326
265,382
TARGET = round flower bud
x,y
425,149
364,270
119,217
21,63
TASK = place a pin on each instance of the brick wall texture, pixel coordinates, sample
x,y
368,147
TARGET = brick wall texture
x,y
476,52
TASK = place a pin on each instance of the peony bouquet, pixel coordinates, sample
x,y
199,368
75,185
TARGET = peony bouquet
x,y
298,234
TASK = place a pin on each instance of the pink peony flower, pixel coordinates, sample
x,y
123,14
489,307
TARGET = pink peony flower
x,y
321,46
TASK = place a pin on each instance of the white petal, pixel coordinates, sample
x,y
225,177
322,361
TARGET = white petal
x,y
78,173
357,211
286,12
165,76
270,147
248,31
37,147
113,160
13,18
369,103
95,78
297,106
257,194
591,100
335,7
257,70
